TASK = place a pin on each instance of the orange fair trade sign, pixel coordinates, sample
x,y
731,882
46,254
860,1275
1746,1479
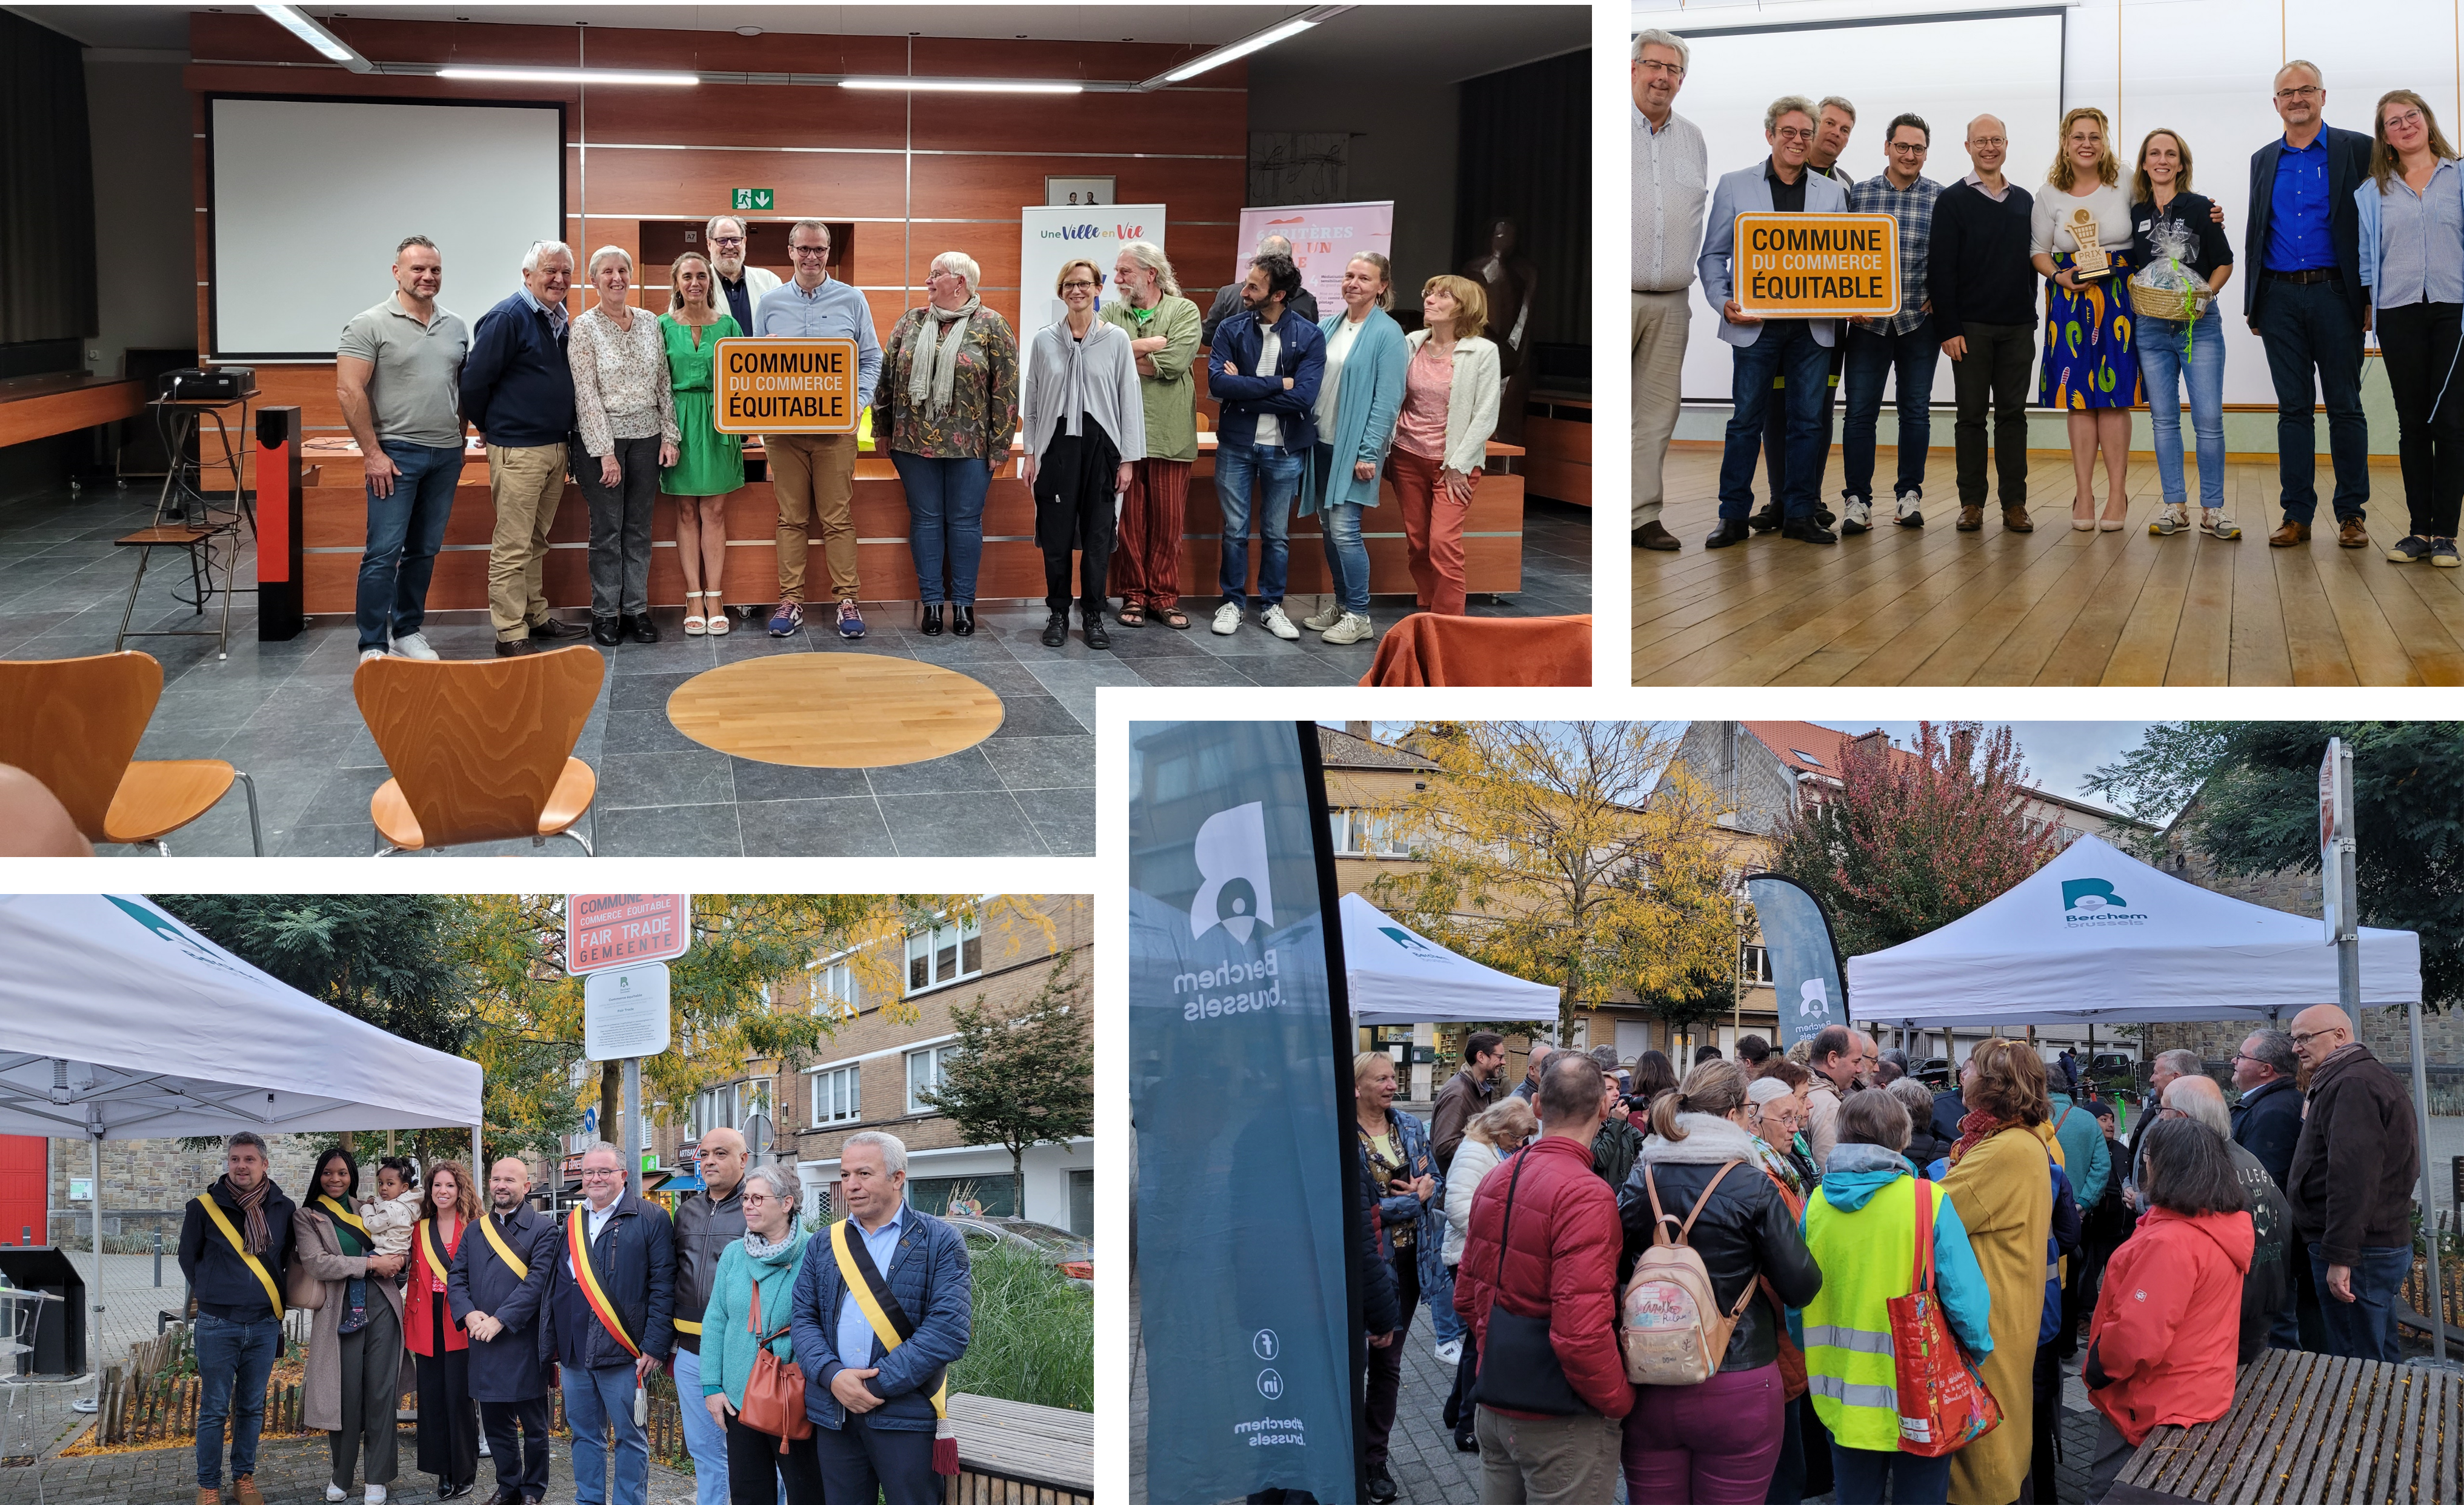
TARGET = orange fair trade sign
x,y
1817,266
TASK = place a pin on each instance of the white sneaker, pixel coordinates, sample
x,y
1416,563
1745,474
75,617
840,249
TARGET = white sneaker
x,y
336,1492
366,654
415,645
1329,612
1911,515
1228,619
1275,622
1450,1353
376,1494
1857,516
1350,628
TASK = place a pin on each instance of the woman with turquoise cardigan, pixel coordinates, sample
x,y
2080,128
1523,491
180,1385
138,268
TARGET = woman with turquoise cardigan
x,y
756,1273
1357,402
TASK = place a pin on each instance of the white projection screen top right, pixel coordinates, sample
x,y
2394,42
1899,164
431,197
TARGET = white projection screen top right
x,y
311,196
1947,71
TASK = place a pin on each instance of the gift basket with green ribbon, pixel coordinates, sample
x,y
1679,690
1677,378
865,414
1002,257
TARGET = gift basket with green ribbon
x,y
2165,288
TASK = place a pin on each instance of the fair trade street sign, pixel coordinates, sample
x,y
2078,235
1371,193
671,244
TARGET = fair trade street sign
x,y
1815,266
624,1012
784,385
603,931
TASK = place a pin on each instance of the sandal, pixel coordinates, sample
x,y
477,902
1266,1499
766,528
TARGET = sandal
x,y
718,614
695,624
1174,618
1131,614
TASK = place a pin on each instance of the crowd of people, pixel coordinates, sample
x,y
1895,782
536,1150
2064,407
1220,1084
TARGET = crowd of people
x,y
2150,1265
2345,232
482,1309
621,399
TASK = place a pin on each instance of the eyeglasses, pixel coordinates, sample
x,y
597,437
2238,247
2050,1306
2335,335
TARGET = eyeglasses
x,y
1654,65
1914,148
2408,117
1989,142
2305,92
727,241
2301,1040
810,251
1077,283
590,1171
1793,133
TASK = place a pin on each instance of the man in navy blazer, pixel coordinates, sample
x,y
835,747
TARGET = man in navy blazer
x,y
2306,301
1798,349
871,1405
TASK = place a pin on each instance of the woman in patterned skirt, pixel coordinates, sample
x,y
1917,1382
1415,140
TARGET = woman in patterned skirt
x,y
2091,368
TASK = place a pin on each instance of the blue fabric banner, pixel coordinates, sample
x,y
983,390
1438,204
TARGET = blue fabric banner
x,y
1240,1217
1804,959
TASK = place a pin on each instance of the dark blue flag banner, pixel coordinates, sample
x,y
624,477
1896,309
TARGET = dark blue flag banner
x,y
1804,959
1233,1081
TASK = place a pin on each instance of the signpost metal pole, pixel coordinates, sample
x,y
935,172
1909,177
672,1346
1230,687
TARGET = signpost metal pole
x,y
633,1123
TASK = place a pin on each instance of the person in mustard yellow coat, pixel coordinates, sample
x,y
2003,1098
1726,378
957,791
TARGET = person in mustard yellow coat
x,y
2001,1182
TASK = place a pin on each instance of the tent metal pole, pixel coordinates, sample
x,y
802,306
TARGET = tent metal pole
x,y
2437,1308
94,1298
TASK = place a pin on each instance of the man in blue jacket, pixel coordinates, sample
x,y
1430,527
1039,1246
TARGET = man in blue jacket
x,y
1263,370
2267,1118
518,393
235,1248
2305,301
497,1301
611,1324
876,1404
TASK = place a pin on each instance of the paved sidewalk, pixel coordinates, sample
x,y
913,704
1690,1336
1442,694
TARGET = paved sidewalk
x,y
292,1472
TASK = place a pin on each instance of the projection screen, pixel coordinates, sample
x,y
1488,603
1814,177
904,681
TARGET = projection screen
x,y
309,198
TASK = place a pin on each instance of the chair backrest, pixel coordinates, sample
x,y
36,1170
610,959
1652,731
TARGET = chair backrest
x,y
73,723
477,745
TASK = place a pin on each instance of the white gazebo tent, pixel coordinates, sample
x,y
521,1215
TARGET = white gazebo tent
x,y
1398,976
118,1022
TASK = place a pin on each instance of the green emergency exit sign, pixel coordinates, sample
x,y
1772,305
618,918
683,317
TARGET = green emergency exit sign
x,y
753,198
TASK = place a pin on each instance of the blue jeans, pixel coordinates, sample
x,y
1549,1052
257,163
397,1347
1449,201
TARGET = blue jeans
x,y
1786,347
1859,1475
2160,362
2307,327
1443,1314
1874,354
945,514
1276,474
233,1360
2363,1327
593,1399
704,1438
1346,556
405,532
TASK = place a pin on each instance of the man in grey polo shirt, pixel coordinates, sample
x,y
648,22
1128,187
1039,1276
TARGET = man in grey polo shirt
x,y
399,372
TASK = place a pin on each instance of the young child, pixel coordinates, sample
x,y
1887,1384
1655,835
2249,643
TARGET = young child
x,y
395,1208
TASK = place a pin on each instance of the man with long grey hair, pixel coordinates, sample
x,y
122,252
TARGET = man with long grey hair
x,y
1672,179
1164,330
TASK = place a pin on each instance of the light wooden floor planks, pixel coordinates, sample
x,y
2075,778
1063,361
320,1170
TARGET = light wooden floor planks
x,y
1937,607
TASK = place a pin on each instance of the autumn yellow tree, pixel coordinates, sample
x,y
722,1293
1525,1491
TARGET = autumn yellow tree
x,y
1565,852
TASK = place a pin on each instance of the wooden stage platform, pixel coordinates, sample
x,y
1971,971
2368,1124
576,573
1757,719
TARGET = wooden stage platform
x,y
1937,607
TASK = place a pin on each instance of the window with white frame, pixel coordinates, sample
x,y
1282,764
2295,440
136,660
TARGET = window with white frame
x,y
751,1097
834,992
836,1098
1757,965
943,953
1366,833
925,1071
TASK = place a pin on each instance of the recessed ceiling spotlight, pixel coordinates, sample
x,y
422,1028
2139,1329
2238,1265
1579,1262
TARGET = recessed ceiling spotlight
x,y
748,30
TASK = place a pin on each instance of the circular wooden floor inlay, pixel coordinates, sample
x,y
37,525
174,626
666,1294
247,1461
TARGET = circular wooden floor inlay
x,y
833,710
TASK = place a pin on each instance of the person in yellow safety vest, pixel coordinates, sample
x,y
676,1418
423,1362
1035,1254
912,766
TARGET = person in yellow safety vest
x,y
1860,1225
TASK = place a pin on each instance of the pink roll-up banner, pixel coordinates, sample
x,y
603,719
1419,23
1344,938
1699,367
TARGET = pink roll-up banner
x,y
1324,237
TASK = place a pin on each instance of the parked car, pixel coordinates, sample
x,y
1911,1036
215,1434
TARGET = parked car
x,y
1073,1256
1934,1070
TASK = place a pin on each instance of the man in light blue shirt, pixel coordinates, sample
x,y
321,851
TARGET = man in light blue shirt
x,y
813,474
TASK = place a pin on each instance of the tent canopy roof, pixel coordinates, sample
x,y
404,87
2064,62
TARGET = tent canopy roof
x,y
2097,936
1400,977
119,1022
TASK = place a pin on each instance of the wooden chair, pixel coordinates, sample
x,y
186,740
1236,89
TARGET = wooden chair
x,y
74,723
480,749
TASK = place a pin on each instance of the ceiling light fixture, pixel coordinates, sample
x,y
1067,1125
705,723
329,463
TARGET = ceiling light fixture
x,y
962,86
1254,42
617,76
328,46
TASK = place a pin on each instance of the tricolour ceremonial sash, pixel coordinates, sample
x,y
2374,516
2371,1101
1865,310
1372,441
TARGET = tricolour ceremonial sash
x,y
428,1247
488,1226
891,1324
213,1211
341,1210
578,1242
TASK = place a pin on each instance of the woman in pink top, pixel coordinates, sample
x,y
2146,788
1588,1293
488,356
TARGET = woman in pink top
x,y
1450,390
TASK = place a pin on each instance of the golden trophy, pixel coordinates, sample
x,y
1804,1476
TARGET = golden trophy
x,y
2091,260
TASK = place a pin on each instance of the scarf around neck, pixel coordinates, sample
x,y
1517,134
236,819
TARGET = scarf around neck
x,y
935,370
250,1203
757,1248
1975,1129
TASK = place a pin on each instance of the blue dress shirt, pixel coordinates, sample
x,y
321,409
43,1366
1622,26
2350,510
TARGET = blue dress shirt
x,y
831,311
2297,210
854,1333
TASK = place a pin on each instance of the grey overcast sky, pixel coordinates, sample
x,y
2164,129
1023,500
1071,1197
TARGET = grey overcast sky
x,y
2059,754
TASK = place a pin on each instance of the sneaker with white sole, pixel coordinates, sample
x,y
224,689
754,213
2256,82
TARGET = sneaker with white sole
x,y
1228,619
2410,549
1329,612
1857,516
2214,523
1353,628
376,1494
336,1492
415,645
366,654
2170,520
1451,1352
1911,513
1274,620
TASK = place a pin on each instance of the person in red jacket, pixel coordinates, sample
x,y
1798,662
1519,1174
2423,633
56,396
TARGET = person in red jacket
x,y
2161,1348
449,1422
1554,1259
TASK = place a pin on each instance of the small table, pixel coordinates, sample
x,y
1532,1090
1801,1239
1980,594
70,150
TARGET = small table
x,y
2310,1427
188,519
19,1312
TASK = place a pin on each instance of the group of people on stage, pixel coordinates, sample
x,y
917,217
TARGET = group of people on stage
x,y
2348,233
492,1305
621,399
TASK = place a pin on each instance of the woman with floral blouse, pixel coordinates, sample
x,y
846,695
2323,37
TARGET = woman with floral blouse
x,y
627,412
949,388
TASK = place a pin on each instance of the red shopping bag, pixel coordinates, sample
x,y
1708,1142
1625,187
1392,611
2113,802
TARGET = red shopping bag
x,y
1944,1403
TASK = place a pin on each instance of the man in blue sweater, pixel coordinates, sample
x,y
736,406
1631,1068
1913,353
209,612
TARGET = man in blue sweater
x,y
517,392
236,1250
1264,369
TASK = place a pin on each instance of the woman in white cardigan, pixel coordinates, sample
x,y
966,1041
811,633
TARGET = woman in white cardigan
x,y
1493,1134
1441,440
1085,426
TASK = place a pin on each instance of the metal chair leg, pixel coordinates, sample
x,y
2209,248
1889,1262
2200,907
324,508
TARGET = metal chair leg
x,y
144,553
580,840
161,848
256,831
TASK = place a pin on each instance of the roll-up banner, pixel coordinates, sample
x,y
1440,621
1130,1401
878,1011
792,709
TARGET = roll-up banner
x,y
1325,237
1051,236
1244,1300
1804,958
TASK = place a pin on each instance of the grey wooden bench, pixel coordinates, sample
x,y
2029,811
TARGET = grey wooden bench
x,y
1013,1453
2310,1429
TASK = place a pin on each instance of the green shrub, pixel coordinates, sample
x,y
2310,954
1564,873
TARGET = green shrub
x,y
1034,1335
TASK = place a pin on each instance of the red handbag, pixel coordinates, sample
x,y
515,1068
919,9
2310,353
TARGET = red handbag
x,y
774,1398
1944,1403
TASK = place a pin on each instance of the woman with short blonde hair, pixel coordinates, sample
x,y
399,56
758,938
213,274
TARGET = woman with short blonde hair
x,y
1359,395
623,405
1085,426
1450,392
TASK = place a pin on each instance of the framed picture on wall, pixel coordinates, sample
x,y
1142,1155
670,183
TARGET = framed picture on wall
x,y
1063,192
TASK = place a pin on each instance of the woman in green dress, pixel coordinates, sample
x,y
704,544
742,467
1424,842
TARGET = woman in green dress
x,y
705,464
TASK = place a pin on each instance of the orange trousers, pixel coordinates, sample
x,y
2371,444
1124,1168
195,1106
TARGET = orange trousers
x,y
1433,528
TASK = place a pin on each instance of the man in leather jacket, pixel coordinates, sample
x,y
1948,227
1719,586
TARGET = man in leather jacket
x,y
706,1224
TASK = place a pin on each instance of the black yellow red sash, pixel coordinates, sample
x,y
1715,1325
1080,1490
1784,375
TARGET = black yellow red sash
x,y
577,1243
430,1248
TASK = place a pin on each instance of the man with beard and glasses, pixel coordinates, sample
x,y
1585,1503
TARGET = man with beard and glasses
x,y
740,287
236,1250
497,1288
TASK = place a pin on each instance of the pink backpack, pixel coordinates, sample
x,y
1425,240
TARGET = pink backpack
x,y
1674,1331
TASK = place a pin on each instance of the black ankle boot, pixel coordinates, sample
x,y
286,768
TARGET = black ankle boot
x,y
1096,636
931,620
1056,630
962,619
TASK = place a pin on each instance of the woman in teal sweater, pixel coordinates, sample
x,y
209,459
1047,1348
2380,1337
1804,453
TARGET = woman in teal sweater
x,y
1358,399
756,1274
